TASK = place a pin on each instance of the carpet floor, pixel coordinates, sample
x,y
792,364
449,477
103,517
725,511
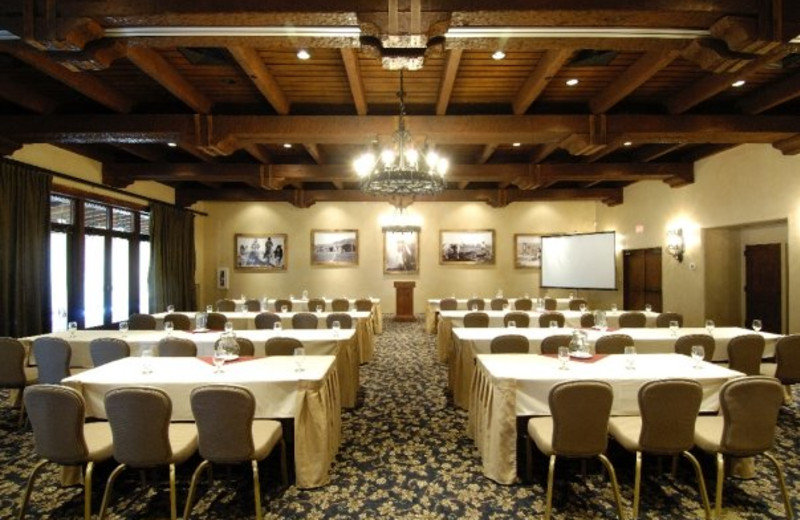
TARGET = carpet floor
x,y
404,454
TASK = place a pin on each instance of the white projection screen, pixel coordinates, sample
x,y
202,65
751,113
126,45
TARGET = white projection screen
x,y
584,261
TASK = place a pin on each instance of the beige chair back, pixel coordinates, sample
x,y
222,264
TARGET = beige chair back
x,y
344,319
12,363
216,321
632,320
364,305
580,411
550,344
53,356
176,347
281,303
225,305
787,357
281,346
448,304
316,304
546,317
684,344
139,419
587,320
575,304
663,319
523,304
252,305
497,303
669,408
106,350
340,305
224,418
141,322
56,413
745,352
612,344
477,303
509,344
246,347
179,321
266,320
550,304
305,320
520,319
476,319
750,407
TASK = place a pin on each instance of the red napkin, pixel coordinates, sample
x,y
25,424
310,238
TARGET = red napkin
x,y
594,358
210,360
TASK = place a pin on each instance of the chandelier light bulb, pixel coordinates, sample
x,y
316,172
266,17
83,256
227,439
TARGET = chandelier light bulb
x,y
388,157
442,166
412,156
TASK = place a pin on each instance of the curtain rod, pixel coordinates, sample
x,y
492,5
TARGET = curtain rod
x,y
112,189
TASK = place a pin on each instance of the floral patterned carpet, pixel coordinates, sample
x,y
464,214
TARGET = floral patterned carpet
x,y
404,454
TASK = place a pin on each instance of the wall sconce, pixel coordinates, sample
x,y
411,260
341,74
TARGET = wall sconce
x,y
675,244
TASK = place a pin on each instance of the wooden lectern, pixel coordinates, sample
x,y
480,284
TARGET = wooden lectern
x,y
405,301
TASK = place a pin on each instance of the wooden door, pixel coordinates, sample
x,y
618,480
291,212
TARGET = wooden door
x,y
763,295
641,278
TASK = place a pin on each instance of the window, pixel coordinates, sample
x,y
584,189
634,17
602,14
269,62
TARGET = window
x,y
100,255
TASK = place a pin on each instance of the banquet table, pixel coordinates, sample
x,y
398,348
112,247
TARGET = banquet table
x,y
363,322
301,304
449,320
310,397
342,344
472,342
432,308
507,386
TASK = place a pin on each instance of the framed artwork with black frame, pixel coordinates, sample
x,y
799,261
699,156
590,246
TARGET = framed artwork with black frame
x,y
334,248
401,250
261,252
527,251
466,247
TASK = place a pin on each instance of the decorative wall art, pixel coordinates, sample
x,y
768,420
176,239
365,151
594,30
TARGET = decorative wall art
x,y
401,250
527,251
334,248
468,247
260,252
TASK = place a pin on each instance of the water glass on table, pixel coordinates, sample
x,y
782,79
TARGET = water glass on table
x,y
336,326
170,308
512,324
299,359
698,354
630,358
228,326
169,327
757,325
563,358
72,327
710,327
123,328
147,355
277,325
219,359
673,327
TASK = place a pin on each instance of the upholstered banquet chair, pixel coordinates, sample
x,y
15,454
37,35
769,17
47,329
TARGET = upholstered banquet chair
x,y
746,428
550,344
632,320
587,320
476,319
476,304
246,347
663,319
13,373
176,347
145,438
316,305
281,303
252,305
228,434
216,321
520,319
577,428
547,317
684,344
281,346
344,319
141,322
523,304
340,305
53,356
550,304
179,321
305,320
497,304
364,305
106,350
509,344
612,344
787,363
266,320
448,304
225,305
61,436
665,425
575,304
745,352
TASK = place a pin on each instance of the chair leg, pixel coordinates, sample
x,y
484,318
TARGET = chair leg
x,y
107,493
637,484
26,497
786,502
615,486
548,508
720,478
257,490
173,500
701,483
193,486
87,491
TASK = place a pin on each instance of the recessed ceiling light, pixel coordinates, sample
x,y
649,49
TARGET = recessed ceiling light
x,y
172,145
627,143
287,145
572,82
498,55
738,83
516,145
303,54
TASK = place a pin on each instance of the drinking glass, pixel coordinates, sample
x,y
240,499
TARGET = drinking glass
x,y
698,354
72,327
228,326
474,307
648,308
673,327
757,325
336,326
169,327
553,324
299,359
563,357
277,325
147,356
710,326
170,308
630,358
209,308
218,359
582,308
123,328
512,324
284,308
613,307
505,307
319,309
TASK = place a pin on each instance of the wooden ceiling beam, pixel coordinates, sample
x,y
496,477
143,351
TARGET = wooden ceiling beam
x,y
545,69
631,79
255,68
154,65
486,153
653,152
771,96
26,98
258,153
356,82
448,80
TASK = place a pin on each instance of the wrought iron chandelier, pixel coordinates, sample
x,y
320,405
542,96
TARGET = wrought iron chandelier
x,y
400,169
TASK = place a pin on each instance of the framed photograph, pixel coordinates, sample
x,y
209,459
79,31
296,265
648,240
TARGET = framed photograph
x,y
334,248
223,280
466,247
527,251
401,250
260,252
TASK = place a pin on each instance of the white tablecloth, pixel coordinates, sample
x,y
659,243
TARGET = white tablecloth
x,y
507,386
310,397
300,304
468,343
432,308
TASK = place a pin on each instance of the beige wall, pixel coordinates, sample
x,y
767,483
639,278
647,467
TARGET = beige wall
x,y
723,283
433,280
751,184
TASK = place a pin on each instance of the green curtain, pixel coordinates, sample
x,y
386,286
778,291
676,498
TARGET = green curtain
x,y
24,250
172,259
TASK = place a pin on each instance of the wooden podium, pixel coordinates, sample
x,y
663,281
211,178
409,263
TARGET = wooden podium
x,y
405,301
